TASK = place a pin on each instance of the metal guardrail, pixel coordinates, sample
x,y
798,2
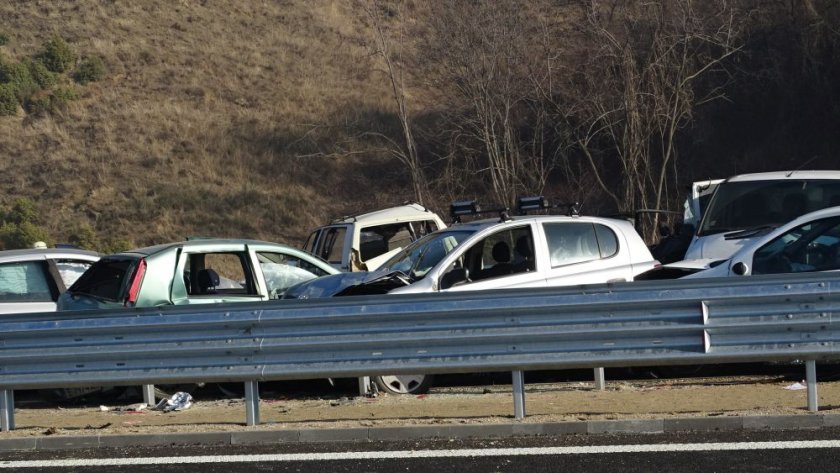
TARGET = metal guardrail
x,y
629,324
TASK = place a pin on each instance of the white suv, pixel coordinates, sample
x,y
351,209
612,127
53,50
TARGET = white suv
x,y
363,242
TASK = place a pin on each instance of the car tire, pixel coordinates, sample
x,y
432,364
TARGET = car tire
x,y
405,383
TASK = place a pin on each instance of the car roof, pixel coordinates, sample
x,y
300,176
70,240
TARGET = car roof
x,y
781,175
29,254
476,225
407,212
203,243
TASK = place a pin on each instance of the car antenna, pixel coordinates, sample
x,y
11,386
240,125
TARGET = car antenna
x,y
803,165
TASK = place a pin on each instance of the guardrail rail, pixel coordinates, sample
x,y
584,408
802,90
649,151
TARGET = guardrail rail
x,y
649,323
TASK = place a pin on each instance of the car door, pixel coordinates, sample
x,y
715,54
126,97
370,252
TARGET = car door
x,y
278,270
217,275
583,252
502,259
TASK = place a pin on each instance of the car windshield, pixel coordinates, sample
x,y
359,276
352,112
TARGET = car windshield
x,y
761,204
418,258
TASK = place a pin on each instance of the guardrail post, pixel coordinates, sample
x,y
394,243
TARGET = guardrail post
x,y
600,382
7,410
252,403
364,386
811,379
149,394
518,395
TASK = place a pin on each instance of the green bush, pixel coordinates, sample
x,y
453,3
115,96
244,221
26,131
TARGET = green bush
x,y
40,74
85,237
4,39
18,76
20,226
23,210
52,102
90,69
57,55
8,101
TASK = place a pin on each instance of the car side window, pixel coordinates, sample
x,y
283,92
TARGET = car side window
x,y
24,282
814,246
281,271
571,242
331,244
504,253
218,273
607,240
309,245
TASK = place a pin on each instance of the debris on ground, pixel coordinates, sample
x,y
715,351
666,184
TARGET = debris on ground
x,y
178,402
796,386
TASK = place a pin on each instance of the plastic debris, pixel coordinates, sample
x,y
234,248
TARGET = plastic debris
x,y
796,387
140,406
178,402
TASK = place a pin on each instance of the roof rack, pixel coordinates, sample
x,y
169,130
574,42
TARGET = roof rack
x,y
524,205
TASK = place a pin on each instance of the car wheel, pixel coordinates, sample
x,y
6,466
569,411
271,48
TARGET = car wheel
x,y
405,383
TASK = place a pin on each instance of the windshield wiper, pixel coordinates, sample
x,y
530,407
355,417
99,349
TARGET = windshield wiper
x,y
749,232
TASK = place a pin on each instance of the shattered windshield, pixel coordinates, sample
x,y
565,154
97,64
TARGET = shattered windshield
x,y
763,204
422,255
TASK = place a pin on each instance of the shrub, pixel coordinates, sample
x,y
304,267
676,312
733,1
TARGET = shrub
x,y
57,55
18,76
4,39
22,235
85,237
20,228
49,102
90,69
8,101
40,74
23,210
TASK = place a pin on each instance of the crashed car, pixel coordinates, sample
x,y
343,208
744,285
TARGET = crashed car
x,y
32,279
363,242
193,272
807,244
524,251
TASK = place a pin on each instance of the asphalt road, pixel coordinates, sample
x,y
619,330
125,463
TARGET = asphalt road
x,y
783,451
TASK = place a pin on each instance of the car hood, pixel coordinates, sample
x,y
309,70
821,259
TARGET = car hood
x,y
348,284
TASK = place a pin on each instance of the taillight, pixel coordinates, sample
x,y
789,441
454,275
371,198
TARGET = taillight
x,y
136,280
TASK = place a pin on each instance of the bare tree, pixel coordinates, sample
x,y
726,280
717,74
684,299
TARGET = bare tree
x,y
406,152
644,68
481,55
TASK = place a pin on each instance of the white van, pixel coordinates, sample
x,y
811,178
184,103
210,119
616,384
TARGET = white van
x,y
748,206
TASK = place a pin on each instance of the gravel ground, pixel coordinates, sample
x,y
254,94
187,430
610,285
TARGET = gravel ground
x,y
545,402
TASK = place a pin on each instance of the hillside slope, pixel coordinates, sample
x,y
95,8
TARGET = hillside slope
x,y
200,123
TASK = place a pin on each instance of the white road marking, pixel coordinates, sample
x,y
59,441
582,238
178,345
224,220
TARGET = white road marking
x,y
408,454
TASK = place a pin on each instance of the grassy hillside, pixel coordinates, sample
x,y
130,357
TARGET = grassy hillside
x,y
201,122
265,118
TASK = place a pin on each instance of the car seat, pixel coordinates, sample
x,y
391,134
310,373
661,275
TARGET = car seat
x,y
208,280
503,266
525,252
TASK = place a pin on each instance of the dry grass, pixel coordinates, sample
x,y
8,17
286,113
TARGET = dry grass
x,y
199,124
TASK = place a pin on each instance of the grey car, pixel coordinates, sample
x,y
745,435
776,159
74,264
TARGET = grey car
x,y
31,280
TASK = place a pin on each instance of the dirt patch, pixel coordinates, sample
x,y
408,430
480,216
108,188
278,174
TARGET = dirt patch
x,y
553,402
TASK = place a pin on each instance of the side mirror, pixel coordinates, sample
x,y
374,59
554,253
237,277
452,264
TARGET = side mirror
x,y
739,268
454,277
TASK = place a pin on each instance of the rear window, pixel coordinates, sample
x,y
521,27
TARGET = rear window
x,y
104,279
24,282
